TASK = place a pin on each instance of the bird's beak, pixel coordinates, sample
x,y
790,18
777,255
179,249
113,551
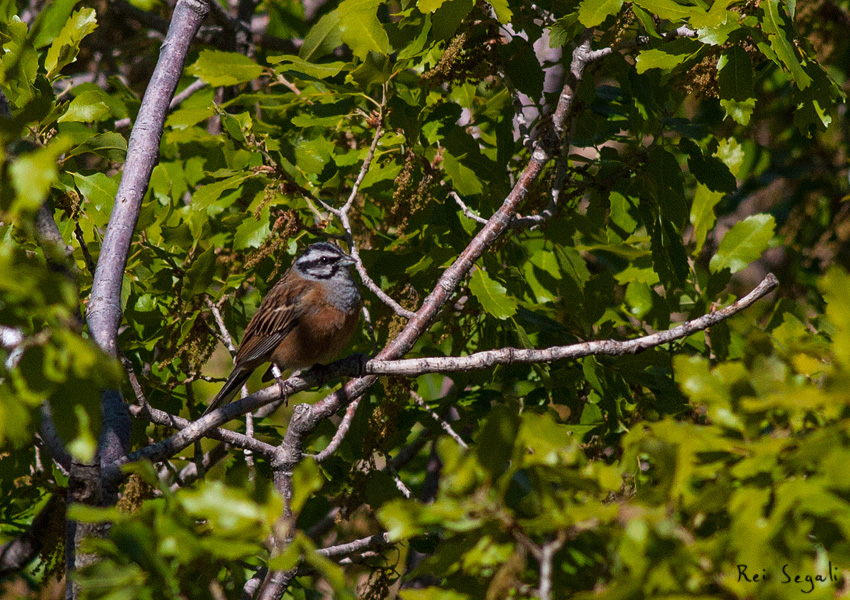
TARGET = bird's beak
x,y
347,261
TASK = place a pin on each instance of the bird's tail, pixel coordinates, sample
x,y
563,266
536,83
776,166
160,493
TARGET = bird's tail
x,y
237,378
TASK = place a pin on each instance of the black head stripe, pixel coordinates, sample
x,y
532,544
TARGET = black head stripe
x,y
316,269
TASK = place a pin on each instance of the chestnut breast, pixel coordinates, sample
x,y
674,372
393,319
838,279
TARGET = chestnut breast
x,y
320,334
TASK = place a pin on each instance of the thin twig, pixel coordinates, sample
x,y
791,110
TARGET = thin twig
x,y
442,422
134,382
249,418
87,257
190,472
546,556
342,215
222,328
368,543
398,482
341,431
466,210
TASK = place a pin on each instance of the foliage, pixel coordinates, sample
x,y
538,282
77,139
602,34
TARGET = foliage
x,y
689,159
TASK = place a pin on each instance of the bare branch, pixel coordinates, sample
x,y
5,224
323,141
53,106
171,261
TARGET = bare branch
x,y
10,337
545,556
134,382
398,482
104,312
59,255
379,131
341,431
466,210
225,435
249,417
375,289
189,473
510,356
51,439
368,543
442,422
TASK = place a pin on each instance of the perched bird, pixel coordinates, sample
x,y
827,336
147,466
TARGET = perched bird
x,y
306,318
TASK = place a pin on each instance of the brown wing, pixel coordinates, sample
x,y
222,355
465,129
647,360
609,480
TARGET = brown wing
x,y
278,314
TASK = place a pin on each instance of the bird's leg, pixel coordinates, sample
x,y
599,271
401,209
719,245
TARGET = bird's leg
x,y
281,383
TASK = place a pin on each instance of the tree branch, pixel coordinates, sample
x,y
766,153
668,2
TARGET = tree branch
x,y
440,421
233,438
368,543
104,313
16,554
340,434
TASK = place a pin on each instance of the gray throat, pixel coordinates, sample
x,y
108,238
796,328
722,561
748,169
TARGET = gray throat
x,y
343,293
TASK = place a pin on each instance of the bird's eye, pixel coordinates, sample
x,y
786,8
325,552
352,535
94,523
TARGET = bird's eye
x,y
325,260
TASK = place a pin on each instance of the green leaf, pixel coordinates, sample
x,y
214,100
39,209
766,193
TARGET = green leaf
x,y
739,111
200,274
34,173
217,68
319,71
646,20
716,15
702,213
668,9
449,16
19,63
735,75
65,48
563,30
251,232
592,12
492,295
526,73
708,170
743,244
50,21
88,107
657,59
360,28
307,479
497,438
83,446
502,10
99,190
429,6
667,58
464,179
206,195
663,183
816,102
717,36
774,26
110,145
323,38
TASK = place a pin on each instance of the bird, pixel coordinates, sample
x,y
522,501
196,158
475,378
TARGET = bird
x,y
306,318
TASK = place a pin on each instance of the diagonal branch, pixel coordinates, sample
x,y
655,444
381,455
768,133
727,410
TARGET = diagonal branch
x,y
225,435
